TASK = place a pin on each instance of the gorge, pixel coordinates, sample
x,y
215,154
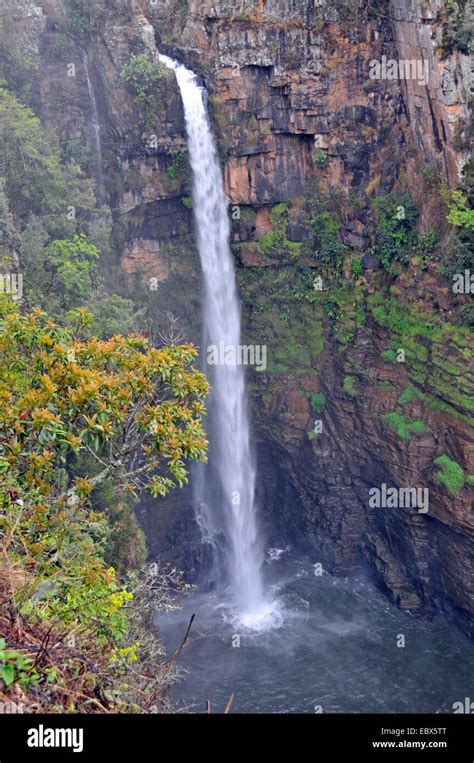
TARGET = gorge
x,y
300,222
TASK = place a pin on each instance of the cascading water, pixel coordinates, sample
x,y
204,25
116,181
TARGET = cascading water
x,y
230,510
95,123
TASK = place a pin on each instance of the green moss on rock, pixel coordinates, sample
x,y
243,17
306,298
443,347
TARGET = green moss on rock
x,y
450,475
403,427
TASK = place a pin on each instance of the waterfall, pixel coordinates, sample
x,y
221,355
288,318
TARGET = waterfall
x,y
229,514
95,124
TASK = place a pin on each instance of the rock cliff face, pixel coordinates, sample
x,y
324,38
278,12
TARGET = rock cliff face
x,y
290,82
298,115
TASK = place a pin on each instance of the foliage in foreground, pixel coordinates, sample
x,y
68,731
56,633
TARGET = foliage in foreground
x,y
76,637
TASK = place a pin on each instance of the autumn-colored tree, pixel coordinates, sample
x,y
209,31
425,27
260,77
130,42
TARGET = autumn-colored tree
x,y
136,412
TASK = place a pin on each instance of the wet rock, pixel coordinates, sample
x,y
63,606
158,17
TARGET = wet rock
x,y
369,262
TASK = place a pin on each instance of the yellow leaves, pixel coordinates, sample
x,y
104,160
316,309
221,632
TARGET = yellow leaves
x,y
45,340
36,548
82,392
73,396
118,599
82,486
85,392
83,312
83,317
39,515
106,428
43,416
41,462
74,442
48,384
46,359
6,397
32,398
89,389
125,654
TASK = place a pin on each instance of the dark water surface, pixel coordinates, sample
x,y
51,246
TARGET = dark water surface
x,y
336,649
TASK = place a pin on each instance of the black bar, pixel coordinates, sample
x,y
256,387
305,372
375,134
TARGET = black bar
x,y
318,738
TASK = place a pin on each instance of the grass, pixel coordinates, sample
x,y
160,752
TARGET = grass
x,y
348,386
390,356
318,401
403,427
409,394
450,475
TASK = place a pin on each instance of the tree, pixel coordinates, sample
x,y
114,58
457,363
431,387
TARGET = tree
x,y
74,262
141,77
135,412
460,214
36,182
30,161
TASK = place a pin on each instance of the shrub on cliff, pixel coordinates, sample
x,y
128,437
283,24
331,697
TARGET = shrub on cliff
x,y
458,26
450,475
141,77
275,241
403,427
318,401
395,234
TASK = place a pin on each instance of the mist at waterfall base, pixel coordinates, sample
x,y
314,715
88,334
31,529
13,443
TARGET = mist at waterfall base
x,y
225,490
338,649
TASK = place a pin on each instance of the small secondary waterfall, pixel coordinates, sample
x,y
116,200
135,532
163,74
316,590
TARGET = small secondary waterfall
x,y
95,124
230,509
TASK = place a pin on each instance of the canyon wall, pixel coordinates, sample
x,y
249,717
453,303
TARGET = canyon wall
x,y
297,115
